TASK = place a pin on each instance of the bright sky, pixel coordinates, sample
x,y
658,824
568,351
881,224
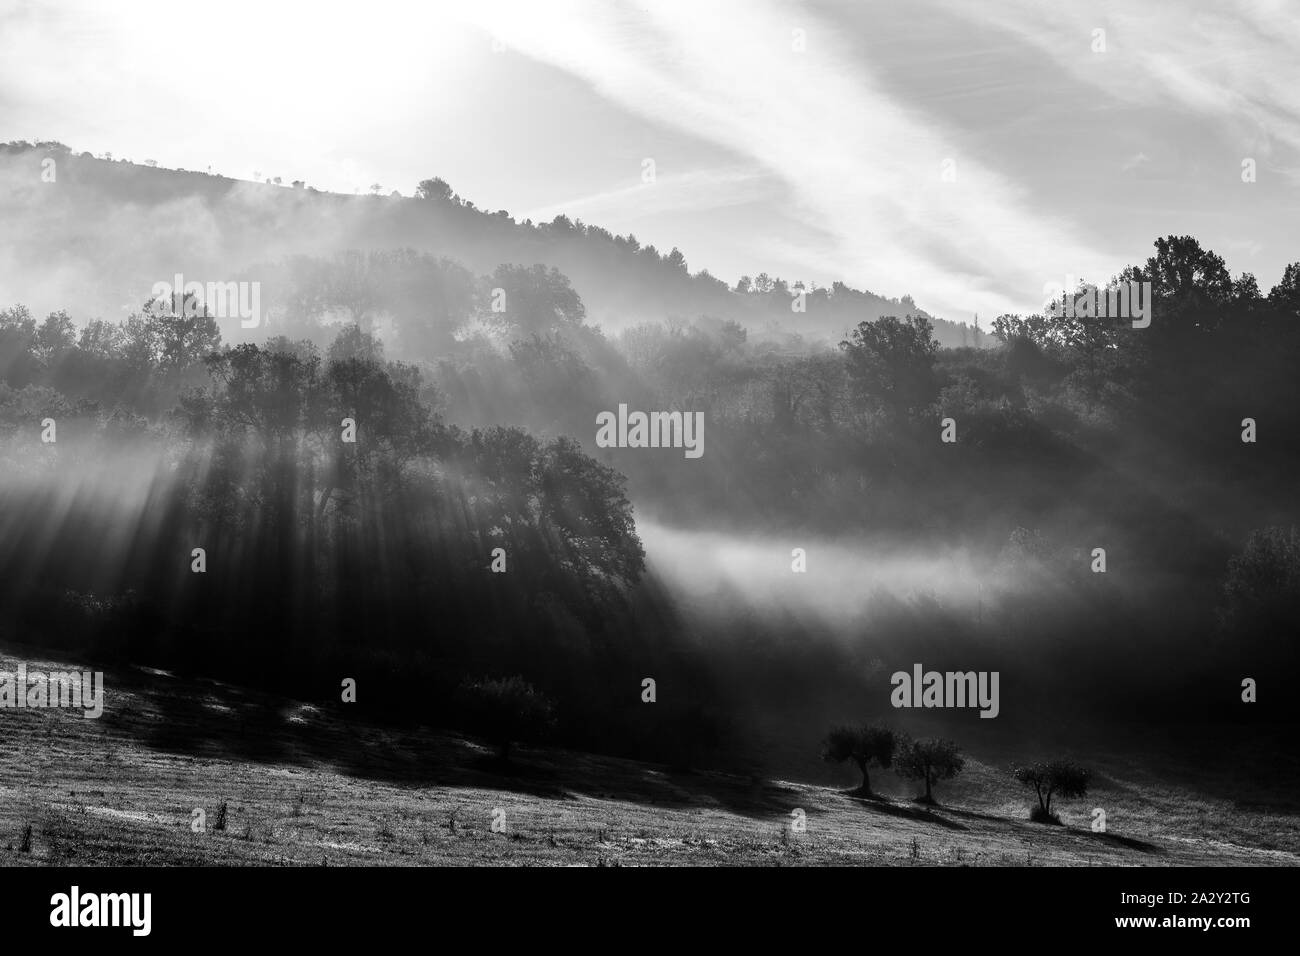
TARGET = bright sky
x,y
817,155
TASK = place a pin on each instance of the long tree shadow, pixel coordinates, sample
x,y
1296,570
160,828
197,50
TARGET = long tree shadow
x,y
1114,839
921,814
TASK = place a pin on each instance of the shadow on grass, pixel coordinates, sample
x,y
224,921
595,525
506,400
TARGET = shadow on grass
x,y
1131,843
980,815
923,813
214,720
218,721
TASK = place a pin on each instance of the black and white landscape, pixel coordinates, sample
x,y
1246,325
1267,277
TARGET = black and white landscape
x,y
670,434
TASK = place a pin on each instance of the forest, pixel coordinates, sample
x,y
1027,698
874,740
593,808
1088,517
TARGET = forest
x,y
398,481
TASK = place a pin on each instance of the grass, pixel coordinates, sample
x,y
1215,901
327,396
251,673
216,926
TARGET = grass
x,y
286,783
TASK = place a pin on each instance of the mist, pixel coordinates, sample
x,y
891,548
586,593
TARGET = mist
x,y
718,574
878,490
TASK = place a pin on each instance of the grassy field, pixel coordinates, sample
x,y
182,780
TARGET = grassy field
x,y
306,787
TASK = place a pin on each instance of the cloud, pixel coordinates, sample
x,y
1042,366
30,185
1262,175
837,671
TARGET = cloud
x,y
1233,62
1140,159
836,153
695,191
858,165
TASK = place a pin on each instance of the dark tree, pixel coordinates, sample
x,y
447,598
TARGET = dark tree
x,y
930,760
1059,778
352,342
56,335
1261,593
536,300
506,711
19,366
433,189
1192,286
585,512
1181,268
865,746
892,361
1285,296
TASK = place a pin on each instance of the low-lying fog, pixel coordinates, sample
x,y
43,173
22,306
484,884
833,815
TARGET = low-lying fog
x,y
715,573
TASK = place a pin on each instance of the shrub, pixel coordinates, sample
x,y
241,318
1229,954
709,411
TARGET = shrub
x,y
506,711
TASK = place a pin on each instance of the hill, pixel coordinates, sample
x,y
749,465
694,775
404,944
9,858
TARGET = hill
x,y
98,233
309,784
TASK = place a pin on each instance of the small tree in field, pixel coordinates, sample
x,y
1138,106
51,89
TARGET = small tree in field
x,y
865,745
1060,778
929,760
506,711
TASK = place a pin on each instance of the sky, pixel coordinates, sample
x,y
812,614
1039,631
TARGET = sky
x,y
967,154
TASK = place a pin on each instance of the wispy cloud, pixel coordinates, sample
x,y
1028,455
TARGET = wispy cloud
x,y
822,164
1231,62
1135,161
859,166
696,191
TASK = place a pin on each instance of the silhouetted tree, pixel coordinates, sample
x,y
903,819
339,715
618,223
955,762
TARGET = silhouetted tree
x,y
930,760
867,745
435,188
892,361
56,335
1285,296
1060,778
537,300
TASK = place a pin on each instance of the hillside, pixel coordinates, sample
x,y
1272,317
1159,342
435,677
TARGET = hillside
x,y
305,784
98,235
